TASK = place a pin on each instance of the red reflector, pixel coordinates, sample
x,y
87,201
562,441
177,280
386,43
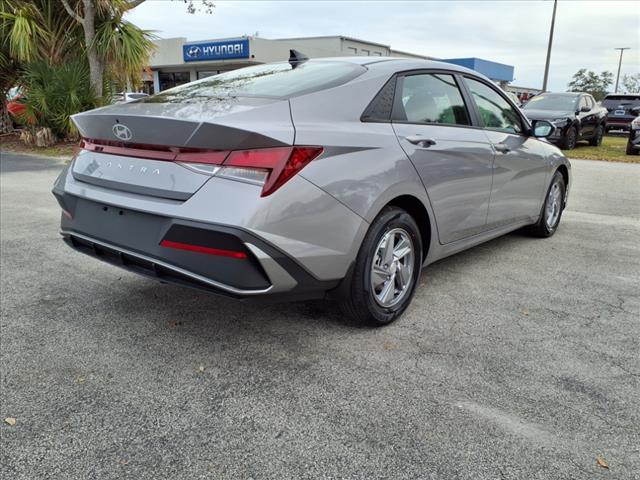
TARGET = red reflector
x,y
283,163
155,152
199,249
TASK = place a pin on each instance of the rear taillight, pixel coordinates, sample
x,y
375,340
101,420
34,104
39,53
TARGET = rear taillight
x,y
269,167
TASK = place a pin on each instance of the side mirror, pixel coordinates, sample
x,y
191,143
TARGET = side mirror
x,y
585,109
542,128
635,111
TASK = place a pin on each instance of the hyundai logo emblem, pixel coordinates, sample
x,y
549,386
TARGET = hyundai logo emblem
x,y
122,132
194,51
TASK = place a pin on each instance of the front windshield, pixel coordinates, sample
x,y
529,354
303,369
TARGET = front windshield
x,y
553,102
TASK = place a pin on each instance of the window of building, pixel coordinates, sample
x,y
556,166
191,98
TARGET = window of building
x,y
172,79
433,98
364,52
495,112
377,54
352,50
209,73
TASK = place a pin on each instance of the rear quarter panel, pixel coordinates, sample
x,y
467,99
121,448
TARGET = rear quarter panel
x,y
363,165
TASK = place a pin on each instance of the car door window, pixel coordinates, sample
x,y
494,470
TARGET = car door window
x,y
432,98
583,103
495,112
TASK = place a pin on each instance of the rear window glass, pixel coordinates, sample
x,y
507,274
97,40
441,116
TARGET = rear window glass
x,y
277,80
613,101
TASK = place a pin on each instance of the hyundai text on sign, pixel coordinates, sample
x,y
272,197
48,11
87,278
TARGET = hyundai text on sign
x,y
196,52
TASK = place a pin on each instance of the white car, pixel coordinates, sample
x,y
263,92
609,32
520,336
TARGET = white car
x,y
124,97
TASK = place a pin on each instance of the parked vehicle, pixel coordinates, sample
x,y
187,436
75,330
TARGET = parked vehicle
x,y
337,178
15,105
620,110
124,97
577,117
633,144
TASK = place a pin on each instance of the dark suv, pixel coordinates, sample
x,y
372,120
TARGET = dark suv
x,y
576,116
619,108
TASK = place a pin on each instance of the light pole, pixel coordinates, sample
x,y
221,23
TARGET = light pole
x,y
622,49
546,65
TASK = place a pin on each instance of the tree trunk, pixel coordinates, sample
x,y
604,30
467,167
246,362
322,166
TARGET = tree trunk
x,y
6,124
96,64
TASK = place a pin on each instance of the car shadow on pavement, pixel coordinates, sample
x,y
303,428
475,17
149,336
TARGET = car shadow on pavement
x,y
206,312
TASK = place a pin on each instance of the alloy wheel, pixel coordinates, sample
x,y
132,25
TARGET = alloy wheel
x,y
553,206
392,268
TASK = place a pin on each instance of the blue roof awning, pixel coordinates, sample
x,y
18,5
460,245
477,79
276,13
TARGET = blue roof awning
x,y
498,72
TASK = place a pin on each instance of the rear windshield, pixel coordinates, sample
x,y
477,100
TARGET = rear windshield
x,y
612,101
277,80
552,102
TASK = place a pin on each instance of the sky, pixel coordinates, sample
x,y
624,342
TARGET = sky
x,y
511,32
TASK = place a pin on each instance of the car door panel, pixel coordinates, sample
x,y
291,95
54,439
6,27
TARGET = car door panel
x,y
519,177
456,171
519,166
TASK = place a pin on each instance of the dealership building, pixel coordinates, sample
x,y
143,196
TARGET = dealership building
x,y
177,61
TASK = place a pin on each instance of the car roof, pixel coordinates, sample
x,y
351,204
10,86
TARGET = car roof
x,y
407,63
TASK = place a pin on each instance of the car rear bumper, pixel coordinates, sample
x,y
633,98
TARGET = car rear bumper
x,y
614,123
220,259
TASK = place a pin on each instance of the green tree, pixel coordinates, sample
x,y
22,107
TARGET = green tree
x,y
631,83
590,82
110,40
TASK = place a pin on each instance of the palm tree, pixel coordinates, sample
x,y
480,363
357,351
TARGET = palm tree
x,y
41,30
110,40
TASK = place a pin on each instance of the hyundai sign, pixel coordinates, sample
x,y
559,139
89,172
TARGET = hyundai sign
x,y
198,52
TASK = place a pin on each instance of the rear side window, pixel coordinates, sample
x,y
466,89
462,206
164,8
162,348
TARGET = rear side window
x,y
277,80
432,98
495,112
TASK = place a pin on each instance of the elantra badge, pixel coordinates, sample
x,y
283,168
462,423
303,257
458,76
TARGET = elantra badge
x,y
122,132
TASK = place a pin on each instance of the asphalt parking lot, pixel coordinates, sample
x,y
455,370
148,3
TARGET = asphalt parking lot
x,y
518,359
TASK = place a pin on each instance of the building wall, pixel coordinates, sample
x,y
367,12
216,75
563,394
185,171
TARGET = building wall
x,y
170,68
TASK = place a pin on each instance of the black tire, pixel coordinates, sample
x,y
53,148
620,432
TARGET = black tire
x,y
542,229
596,140
631,150
569,140
361,304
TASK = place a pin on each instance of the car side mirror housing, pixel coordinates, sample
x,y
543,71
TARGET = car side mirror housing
x,y
585,109
542,128
635,111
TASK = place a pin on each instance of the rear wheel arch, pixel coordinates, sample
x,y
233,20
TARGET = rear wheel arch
x,y
414,207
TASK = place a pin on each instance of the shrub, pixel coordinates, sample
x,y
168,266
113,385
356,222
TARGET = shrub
x,y
55,92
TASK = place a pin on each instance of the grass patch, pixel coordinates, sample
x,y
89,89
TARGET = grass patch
x,y
12,143
613,149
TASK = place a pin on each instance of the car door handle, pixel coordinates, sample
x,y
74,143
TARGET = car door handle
x,y
501,147
421,141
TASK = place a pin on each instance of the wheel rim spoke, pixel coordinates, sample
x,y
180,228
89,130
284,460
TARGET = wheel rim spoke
x,y
379,276
388,291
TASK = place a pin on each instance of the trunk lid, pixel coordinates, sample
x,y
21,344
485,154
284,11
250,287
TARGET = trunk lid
x,y
150,148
